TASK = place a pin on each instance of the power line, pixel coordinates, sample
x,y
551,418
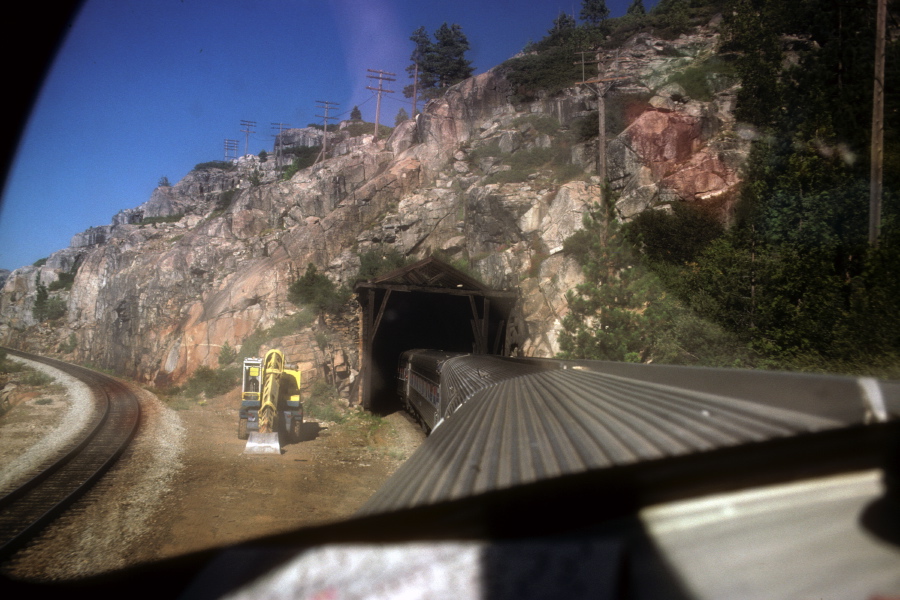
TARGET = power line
x,y
278,141
231,149
247,125
326,105
381,76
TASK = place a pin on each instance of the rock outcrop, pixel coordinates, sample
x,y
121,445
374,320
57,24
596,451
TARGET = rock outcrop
x,y
210,259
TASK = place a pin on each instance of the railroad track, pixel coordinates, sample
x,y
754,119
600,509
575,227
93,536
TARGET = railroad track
x,y
25,511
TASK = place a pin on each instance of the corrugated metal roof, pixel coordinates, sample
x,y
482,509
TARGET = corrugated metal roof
x,y
520,427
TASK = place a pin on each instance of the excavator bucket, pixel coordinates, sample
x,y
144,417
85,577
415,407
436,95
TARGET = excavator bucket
x,y
263,443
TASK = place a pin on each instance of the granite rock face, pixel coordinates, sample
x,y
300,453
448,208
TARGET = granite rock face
x,y
475,179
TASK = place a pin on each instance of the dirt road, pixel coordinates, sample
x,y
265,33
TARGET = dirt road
x,y
185,485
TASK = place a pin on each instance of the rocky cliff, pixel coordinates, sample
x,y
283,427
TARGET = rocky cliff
x,y
476,178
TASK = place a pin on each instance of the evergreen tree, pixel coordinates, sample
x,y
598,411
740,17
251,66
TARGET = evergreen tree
x,y
450,50
594,12
420,58
39,310
402,116
439,63
636,8
562,24
355,114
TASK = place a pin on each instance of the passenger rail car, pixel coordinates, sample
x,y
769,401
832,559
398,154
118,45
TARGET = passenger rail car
x,y
433,384
418,384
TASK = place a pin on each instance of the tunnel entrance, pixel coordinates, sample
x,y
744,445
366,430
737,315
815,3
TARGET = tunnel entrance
x,y
428,304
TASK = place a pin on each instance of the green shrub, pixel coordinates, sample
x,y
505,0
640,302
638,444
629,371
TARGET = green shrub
x,y
9,366
545,124
375,263
677,237
549,71
64,282
251,345
322,402
477,154
318,292
358,129
211,382
696,78
227,355
37,378
304,157
215,164
526,162
167,219
40,262
47,308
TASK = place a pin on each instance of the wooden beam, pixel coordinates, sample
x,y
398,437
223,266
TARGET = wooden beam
x,y
398,287
384,302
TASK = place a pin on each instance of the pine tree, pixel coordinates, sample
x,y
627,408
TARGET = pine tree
x,y
450,49
355,114
607,319
39,310
439,63
594,12
422,58
402,116
562,23
636,8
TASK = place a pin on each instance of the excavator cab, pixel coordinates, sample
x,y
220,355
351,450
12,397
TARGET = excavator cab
x,y
250,384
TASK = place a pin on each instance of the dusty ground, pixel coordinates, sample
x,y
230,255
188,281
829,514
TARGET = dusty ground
x,y
185,485
225,496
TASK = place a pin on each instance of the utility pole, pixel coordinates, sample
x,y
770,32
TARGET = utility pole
x,y
876,169
417,56
415,89
246,129
231,149
584,62
600,86
324,104
381,76
278,143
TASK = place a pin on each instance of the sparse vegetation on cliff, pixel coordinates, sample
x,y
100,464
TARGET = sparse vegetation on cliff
x,y
161,220
548,66
47,307
793,280
215,164
318,292
304,156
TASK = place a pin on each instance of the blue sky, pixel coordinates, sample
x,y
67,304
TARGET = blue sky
x,y
143,89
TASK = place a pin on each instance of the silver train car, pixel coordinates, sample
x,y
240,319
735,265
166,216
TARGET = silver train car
x,y
434,384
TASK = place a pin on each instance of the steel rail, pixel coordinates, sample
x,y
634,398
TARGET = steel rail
x,y
26,510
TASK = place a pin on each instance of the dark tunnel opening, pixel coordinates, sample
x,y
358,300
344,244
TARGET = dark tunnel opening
x,y
417,320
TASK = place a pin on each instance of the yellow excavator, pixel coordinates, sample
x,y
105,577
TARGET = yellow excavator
x,y
270,404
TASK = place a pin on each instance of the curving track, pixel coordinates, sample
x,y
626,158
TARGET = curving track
x,y
25,511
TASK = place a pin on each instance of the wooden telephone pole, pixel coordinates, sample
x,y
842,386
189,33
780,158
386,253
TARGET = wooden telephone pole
x,y
231,149
278,143
877,167
600,86
381,76
246,129
324,104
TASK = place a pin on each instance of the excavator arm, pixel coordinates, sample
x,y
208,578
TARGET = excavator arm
x,y
266,441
